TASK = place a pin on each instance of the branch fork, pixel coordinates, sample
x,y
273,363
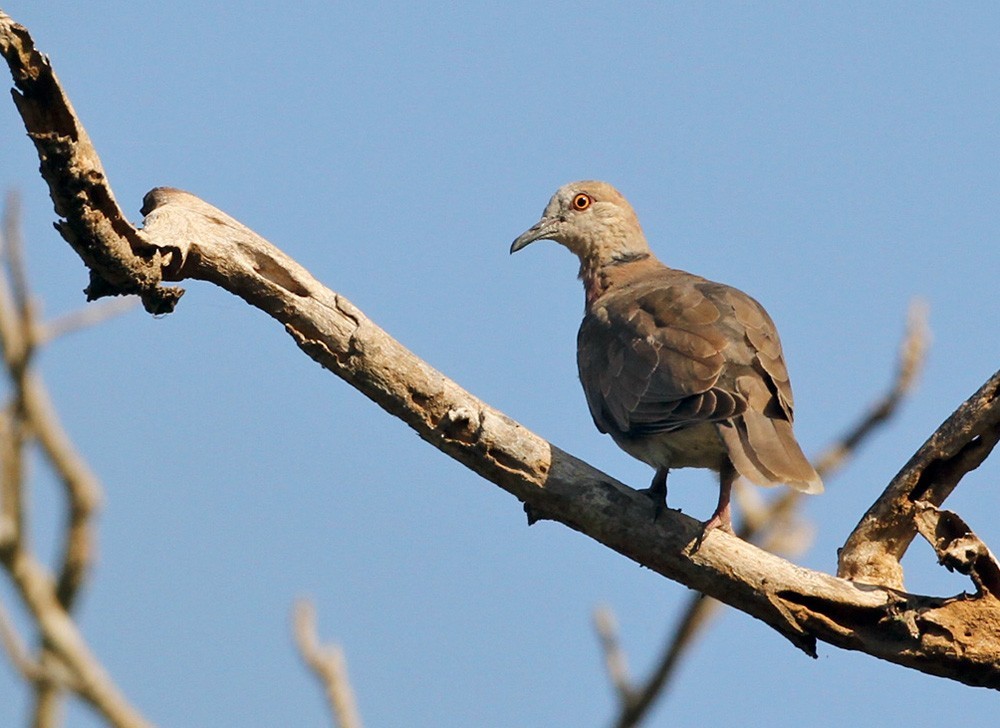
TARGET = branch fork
x,y
864,608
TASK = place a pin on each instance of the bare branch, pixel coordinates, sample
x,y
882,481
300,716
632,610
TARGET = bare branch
x,y
873,551
800,604
957,547
33,411
30,414
17,346
912,354
614,656
194,240
81,486
93,224
92,315
14,250
16,649
37,590
48,675
635,702
327,664
11,473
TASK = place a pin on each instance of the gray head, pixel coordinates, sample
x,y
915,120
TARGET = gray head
x,y
592,220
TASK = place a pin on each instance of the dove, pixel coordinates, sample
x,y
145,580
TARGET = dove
x,y
680,371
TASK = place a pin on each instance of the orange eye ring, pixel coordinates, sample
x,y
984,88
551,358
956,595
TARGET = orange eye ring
x,y
582,201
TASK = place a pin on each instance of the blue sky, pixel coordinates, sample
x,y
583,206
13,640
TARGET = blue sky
x,y
833,161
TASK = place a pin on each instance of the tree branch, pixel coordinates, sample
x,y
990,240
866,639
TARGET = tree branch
x,y
192,239
92,223
873,550
957,547
614,656
92,683
17,651
30,417
327,664
909,364
83,318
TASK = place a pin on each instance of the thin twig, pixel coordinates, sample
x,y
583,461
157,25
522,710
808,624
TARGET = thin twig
x,y
614,656
14,347
31,415
82,488
14,251
91,315
83,494
910,362
91,682
328,664
16,649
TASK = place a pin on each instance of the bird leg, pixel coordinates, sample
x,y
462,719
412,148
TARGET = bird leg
x,y
721,518
657,492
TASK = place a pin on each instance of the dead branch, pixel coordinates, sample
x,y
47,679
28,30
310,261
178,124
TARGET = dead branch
x,y
957,547
615,661
29,418
910,359
328,664
92,223
873,551
193,240
17,651
84,318
37,589
83,494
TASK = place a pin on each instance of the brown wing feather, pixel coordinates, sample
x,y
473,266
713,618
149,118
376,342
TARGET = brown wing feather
x,y
673,350
762,336
650,357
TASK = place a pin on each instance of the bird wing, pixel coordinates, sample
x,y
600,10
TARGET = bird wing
x,y
652,355
671,350
761,443
768,363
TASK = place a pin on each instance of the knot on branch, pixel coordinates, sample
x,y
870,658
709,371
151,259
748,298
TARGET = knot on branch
x,y
461,423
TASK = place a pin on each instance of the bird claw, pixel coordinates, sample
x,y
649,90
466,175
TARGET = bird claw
x,y
659,499
718,520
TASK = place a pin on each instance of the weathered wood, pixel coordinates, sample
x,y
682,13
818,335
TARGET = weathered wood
x,y
956,637
92,222
204,243
873,550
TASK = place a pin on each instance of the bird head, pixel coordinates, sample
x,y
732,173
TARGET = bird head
x,y
592,220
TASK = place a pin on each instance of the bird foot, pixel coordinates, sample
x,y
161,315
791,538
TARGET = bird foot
x,y
718,520
659,498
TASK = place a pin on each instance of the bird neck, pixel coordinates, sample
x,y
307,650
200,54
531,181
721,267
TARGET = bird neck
x,y
599,275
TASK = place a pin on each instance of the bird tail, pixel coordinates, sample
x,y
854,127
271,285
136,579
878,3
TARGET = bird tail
x,y
764,451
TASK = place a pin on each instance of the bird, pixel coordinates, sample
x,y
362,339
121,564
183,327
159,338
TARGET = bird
x,y
680,371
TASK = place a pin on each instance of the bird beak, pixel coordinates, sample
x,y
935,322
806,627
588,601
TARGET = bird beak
x,y
544,228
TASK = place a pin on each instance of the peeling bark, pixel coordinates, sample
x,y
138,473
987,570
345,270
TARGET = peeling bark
x,y
92,222
873,551
186,238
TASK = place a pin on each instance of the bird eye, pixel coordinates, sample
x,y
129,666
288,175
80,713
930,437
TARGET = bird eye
x,y
582,201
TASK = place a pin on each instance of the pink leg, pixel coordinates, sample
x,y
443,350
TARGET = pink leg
x,y
721,518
